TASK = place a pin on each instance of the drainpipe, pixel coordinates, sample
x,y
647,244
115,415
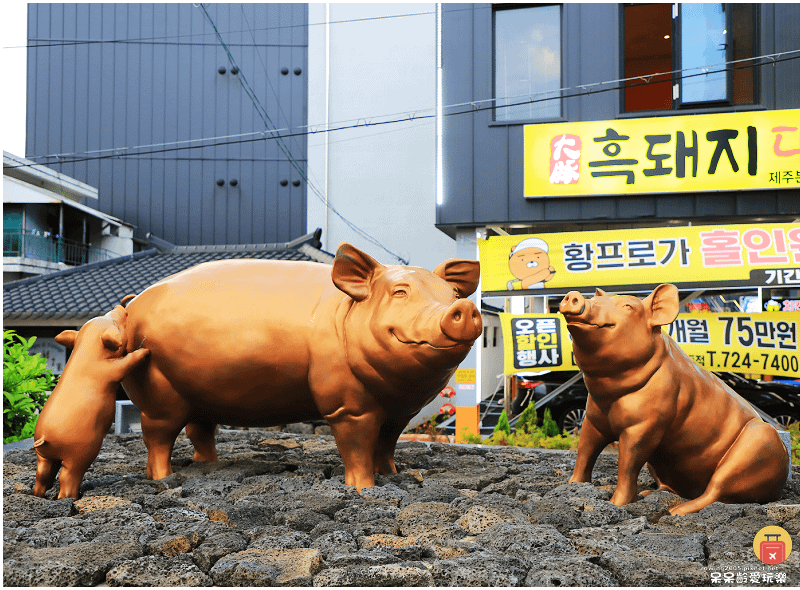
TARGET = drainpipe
x,y
59,252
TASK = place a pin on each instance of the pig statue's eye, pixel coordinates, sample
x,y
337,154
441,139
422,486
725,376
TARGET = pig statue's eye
x,y
400,293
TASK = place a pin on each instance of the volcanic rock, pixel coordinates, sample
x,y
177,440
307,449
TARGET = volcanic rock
x,y
274,510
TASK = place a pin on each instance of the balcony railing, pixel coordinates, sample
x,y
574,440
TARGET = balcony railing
x,y
39,245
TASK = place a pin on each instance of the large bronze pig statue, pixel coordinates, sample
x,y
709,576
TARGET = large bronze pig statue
x,y
260,343
79,412
700,439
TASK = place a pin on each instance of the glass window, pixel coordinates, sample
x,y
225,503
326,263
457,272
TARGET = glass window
x,y
648,50
694,41
703,48
527,49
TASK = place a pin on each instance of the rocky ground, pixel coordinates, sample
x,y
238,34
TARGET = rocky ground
x,y
275,511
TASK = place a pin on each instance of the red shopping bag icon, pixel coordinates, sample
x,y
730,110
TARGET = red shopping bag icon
x,y
772,552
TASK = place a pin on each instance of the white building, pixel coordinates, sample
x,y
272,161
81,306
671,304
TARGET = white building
x,y
369,63
49,222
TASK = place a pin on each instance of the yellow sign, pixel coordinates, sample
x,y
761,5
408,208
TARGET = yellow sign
x,y
466,375
696,257
722,151
764,343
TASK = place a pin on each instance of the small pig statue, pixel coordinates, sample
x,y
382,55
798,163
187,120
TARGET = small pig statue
x,y
263,342
700,439
79,412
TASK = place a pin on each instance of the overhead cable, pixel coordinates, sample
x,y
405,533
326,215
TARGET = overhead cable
x,y
425,113
281,144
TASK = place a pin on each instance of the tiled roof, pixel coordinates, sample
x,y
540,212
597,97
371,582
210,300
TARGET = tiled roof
x,y
94,289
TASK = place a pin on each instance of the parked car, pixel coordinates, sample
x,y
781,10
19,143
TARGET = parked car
x,y
778,399
568,408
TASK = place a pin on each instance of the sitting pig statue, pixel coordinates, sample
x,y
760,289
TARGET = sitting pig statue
x,y
700,439
79,412
264,342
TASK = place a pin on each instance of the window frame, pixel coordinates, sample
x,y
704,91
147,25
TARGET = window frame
x,y
678,105
493,121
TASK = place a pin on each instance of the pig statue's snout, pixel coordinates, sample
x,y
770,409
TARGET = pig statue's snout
x,y
462,322
573,303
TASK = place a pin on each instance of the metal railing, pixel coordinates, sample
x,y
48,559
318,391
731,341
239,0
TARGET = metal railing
x,y
38,245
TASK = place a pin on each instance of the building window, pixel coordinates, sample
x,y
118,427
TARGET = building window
x,y
694,41
527,63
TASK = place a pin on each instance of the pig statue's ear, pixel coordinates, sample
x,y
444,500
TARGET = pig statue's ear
x,y
353,271
663,305
462,274
112,338
67,338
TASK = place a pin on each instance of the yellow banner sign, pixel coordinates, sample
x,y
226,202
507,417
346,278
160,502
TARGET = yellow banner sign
x,y
697,257
722,151
763,343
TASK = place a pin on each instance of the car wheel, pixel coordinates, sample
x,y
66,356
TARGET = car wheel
x,y
785,419
572,418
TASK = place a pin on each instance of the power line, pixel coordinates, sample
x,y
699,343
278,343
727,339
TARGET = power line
x,y
156,40
299,169
400,117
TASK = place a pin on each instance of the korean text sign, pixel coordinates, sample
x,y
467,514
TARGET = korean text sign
x,y
713,256
722,151
763,343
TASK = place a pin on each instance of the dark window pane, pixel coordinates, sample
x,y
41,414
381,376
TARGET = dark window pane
x,y
703,49
648,50
527,62
743,38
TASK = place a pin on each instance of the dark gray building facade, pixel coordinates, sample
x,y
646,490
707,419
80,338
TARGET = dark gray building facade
x,y
144,102
566,58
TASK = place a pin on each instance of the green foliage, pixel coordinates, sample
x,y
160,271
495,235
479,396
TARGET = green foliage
x,y
468,438
529,434
527,419
26,386
503,425
794,430
549,426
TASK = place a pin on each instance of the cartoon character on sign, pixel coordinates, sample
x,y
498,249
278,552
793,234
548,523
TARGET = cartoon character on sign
x,y
529,261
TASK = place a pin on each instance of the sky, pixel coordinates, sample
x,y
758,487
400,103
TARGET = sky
x,y
14,35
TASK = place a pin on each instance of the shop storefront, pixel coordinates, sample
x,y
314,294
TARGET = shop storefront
x,y
569,167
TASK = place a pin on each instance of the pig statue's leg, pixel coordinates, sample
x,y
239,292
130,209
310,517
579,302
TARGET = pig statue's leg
x,y
69,480
162,422
754,469
159,437
46,471
383,460
636,445
660,485
202,436
357,438
591,443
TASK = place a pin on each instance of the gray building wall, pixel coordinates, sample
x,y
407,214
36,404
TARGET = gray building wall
x,y
104,76
483,160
